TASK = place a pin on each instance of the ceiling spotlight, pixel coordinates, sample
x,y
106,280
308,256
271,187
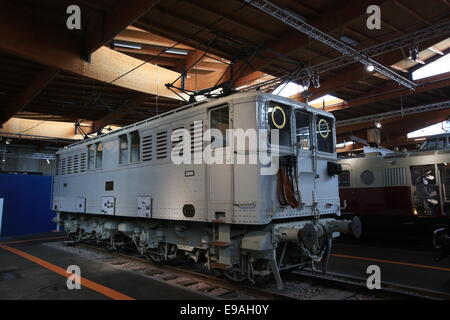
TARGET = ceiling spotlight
x,y
414,53
8,141
306,83
370,68
378,124
315,81
48,161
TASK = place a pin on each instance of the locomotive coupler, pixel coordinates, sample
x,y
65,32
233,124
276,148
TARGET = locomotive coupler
x,y
308,233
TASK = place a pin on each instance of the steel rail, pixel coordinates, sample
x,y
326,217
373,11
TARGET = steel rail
x,y
215,282
393,290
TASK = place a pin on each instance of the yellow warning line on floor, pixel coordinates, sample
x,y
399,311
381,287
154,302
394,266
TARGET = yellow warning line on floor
x,y
391,262
31,240
113,294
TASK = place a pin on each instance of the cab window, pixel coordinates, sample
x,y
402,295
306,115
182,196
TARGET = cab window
x,y
99,155
220,120
91,156
135,146
325,134
123,149
303,129
279,119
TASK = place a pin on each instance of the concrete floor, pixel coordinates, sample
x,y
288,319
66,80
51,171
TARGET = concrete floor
x,y
415,268
21,278
24,279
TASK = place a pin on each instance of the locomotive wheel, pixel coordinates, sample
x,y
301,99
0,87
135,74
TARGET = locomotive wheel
x,y
157,256
234,276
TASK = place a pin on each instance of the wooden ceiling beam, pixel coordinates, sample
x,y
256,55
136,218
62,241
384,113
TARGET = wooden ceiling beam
x,y
110,118
327,22
398,125
146,37
160,52
392,90
411,12
356,72
123,14
428,61
192,59
53,46
31,91
242,23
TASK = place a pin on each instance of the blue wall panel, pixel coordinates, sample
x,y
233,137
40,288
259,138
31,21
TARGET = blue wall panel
x,y
26,207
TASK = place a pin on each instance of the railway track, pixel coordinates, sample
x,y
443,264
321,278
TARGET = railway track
x,y
207,285
330,286
388,290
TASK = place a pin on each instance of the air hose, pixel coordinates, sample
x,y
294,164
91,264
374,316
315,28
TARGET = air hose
x,y
287,184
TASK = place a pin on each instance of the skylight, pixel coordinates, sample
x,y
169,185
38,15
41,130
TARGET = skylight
x,y
439,128
325,100
439,66
289,89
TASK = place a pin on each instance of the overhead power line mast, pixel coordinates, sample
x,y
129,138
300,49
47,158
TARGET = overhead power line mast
x,y
294,21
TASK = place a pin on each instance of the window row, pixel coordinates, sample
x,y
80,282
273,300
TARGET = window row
x,y
279,115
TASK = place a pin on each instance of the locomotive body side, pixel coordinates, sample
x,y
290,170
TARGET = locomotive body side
x,y
125,184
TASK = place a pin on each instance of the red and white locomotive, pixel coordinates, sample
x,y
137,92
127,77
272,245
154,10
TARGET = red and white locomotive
x,y
399,190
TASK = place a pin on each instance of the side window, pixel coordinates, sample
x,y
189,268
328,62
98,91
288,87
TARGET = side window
x,y
91,156
123,149
99,155
325,134
442,143
430,144
135,146
279,118
303,129
344,179
220,120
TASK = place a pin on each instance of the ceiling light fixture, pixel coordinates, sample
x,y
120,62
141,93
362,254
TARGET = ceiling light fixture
x,y
378,124
177,51
439,52
242,87
128,45
349,41
370,68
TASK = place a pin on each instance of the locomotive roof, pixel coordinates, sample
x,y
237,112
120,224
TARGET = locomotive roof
x,y
205,104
